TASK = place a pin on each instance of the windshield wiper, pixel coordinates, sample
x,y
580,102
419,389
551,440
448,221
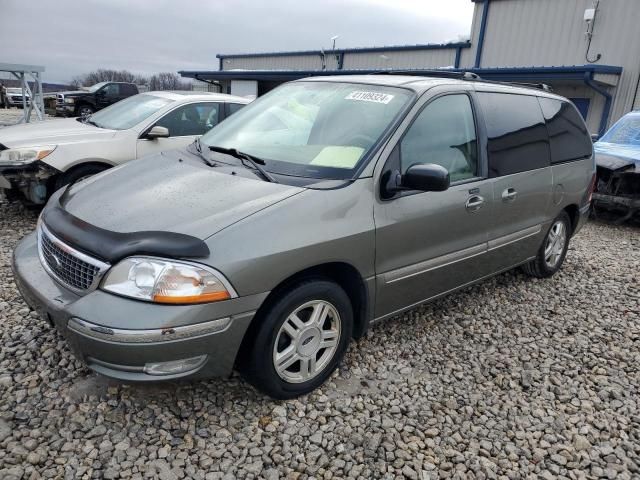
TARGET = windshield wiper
x,y
198,147
256,162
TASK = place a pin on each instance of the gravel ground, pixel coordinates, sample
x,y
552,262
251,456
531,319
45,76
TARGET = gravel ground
x,y
513,378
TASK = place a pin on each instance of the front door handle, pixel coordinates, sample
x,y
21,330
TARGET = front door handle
x,y
509,195
474,203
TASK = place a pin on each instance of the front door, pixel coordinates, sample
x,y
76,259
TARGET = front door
x,y
185,124
428,243
108,95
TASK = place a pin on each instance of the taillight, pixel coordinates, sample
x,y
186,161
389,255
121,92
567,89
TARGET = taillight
x,y
592,187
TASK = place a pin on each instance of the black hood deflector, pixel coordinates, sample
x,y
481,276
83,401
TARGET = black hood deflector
x,y
114,246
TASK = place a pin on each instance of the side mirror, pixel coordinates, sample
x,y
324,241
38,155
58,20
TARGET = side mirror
x,y
427,177
595,137
157,132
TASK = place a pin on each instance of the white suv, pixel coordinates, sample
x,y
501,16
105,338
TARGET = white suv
x,y
38,158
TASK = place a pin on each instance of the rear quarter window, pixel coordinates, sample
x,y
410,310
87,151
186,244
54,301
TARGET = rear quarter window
x,y
517,139
128,89
234,107
569,138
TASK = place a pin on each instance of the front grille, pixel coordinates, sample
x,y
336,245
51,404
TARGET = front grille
x,y
70,267
60,99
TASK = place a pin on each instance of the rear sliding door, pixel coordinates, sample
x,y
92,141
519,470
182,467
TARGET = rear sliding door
x,y
520,173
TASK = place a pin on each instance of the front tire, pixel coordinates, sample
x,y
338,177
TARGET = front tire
x,y
84,110
300,340
553,249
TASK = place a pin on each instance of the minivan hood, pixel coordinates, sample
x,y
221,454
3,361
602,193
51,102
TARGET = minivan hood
x,y
172,192
51,132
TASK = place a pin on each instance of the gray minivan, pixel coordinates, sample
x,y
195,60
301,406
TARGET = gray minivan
x,y
284,232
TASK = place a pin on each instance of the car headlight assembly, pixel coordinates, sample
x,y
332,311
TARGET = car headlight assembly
x,y
25,155
69,101
167,281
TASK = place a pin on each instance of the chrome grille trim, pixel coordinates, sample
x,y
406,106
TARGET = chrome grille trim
x,y
75,270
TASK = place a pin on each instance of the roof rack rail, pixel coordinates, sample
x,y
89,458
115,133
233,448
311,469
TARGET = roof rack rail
x,y
431,73
540,86
461,75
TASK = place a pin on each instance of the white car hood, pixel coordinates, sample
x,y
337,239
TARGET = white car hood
x,y
51,132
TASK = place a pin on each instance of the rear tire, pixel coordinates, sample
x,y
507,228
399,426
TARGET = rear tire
x,y
299,341
78,173
553,250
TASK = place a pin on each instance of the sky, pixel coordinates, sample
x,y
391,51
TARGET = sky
x,y
72,37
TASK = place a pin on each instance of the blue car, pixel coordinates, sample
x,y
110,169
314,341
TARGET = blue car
x,y
618,167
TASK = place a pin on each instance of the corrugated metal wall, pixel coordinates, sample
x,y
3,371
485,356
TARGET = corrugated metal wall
x,y
400,59
288,62
519,33
426,58
552,33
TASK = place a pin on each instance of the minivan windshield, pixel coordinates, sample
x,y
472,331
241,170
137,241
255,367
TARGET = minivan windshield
x,y
129,112
625,132
320,130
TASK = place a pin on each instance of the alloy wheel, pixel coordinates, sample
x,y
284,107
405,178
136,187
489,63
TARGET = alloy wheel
x,y
307,341
555,244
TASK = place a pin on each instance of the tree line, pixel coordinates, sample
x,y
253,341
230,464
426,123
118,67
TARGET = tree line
x,y
157,81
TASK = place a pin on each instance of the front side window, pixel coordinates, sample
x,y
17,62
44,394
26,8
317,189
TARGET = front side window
x,y
320,130
443,133
112,90
96,87
192,119
516,131
129,112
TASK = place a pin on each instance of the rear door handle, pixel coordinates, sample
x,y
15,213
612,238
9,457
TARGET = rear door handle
x,y
474,203
509,195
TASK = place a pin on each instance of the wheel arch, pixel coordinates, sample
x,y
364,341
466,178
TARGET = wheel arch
x,y
574,215
343,274
98,162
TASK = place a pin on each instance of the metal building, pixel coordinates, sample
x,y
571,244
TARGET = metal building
x,y
587,50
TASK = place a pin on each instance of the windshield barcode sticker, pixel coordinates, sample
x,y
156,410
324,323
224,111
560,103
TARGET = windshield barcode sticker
x,y
370,97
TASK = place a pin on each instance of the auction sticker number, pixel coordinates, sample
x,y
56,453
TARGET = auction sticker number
x,y
370,97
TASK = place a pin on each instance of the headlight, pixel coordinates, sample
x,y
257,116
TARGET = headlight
x,y
69,100
24,155
166,281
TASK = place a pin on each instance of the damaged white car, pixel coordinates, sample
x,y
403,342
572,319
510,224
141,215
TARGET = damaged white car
x,y
37,159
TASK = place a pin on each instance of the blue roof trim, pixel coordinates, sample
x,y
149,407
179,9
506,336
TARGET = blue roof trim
x,y
574,72
392,48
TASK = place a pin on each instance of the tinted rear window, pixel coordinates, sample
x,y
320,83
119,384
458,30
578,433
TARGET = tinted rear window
x,y
568,136
126,89
517,136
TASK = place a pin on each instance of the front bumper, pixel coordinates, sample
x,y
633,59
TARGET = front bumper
x,y
117,336
66,109
32,180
